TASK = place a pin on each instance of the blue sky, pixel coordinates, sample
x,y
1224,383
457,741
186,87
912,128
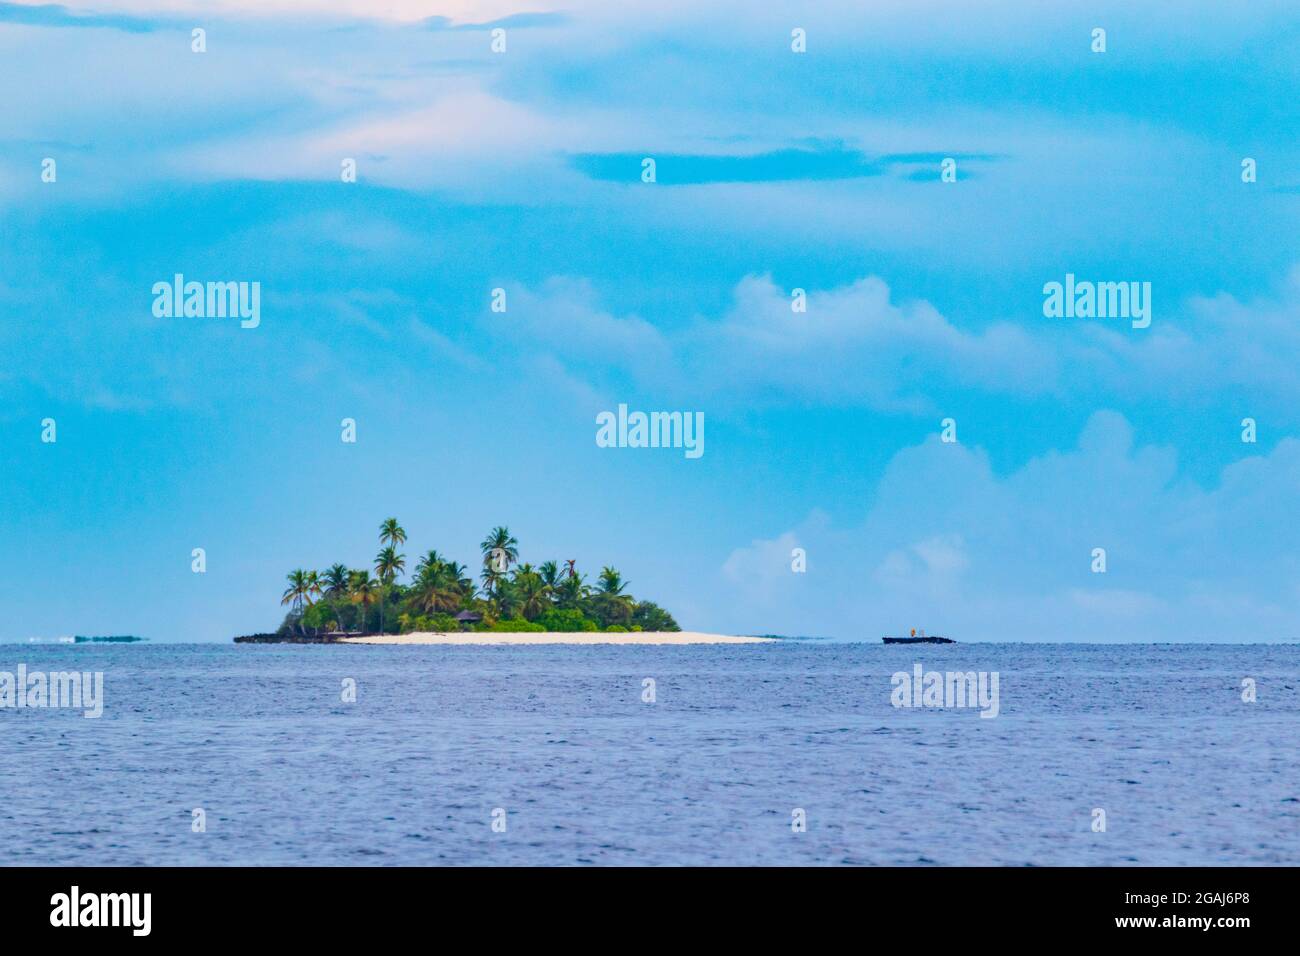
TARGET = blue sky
x,y
776,170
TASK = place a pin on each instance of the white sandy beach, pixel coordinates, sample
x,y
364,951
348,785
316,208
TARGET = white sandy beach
x,y
581,637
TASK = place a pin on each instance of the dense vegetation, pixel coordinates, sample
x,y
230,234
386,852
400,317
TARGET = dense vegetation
x,y
509,596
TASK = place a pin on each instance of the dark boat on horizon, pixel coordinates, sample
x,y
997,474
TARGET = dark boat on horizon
x,y
918,639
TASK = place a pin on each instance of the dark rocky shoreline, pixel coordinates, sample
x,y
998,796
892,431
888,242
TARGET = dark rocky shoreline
x,y
289,639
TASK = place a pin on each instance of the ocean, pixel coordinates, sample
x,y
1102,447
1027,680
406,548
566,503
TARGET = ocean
x,y
554,755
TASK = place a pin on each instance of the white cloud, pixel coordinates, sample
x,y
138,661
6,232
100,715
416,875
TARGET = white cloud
x,y
456,136
957,549
858,347
564,315
942,554
460,11
763,564
852,346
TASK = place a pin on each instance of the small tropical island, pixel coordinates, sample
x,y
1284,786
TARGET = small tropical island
x,y
512,602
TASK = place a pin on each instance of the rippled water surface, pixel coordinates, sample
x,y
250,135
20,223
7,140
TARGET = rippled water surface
x,y
738,738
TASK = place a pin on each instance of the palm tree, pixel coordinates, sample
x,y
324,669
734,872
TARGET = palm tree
x,y
571,591
296,592
437,584
550,572
313,589
335,581
531,592
500,550
611,582
388,564
362,590
391,533
464,583
299,589
491,579
505,599
431,559
612,604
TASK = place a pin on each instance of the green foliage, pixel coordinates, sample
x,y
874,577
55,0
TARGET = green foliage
x,y
571,592
553,596
515,624
567,621
505,597
320,616
609,608
430,623
364,592
651,617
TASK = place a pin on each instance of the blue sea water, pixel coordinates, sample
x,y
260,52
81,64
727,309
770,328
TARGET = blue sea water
x,y
710,773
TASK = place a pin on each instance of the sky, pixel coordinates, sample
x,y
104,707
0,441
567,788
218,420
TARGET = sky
x,y
775,170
